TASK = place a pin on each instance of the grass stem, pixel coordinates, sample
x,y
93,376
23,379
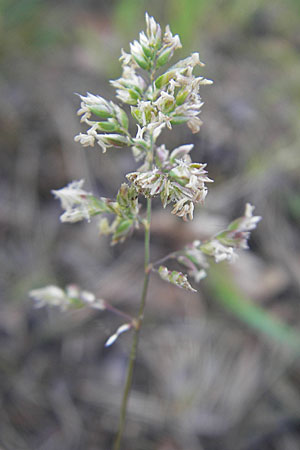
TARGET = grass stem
x,y
136,332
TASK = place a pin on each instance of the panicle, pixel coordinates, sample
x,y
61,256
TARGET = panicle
x,y
94,104
171,98
130,86
78,203
111,130
177,93
219,251
50,295
194,260
72,296
153,32
75,201
175,277
238,232
156,102
223,245
248,222
151,51
126,215
178,181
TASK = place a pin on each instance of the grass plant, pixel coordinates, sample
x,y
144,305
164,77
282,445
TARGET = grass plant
x,y
159,96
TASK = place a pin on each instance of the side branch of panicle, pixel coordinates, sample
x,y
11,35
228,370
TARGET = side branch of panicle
x,y
221,247
70,297
80,204
176,179
108,123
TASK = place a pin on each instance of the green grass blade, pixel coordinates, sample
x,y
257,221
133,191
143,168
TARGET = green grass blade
x,y
228,295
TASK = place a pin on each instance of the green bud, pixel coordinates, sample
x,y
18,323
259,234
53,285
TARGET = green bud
x,y
207,248
168,106
142,62
100,112
137,114
164,56
107,126
148,115
114,207
141,144
134,94
227,238
122,230
148,52
177,120
98,205
136,88
180,179
234,225
174,277
122,118
122,196
164,195
163,79
116,140
181,96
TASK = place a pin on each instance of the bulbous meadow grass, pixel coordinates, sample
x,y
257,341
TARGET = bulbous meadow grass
x,y
156,102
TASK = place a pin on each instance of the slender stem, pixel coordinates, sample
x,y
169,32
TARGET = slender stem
x,y
118,312
165,258
135,338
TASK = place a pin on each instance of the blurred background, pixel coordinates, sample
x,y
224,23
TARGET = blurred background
x,y
218,370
